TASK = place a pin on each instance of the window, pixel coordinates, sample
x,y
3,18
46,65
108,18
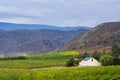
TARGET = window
x,y
91,59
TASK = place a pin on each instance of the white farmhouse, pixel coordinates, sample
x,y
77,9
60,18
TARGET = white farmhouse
x,y
89,61
1,56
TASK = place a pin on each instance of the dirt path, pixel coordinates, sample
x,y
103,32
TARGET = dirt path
x,y
47,68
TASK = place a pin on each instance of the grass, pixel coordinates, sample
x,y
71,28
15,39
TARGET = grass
x,y
30,64
85,73
36,67
54,55
38,60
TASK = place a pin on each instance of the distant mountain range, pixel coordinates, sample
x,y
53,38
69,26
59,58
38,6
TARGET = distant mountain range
x,y
35,39
13,26
100,38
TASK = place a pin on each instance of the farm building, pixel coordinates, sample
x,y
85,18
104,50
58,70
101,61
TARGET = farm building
x,y
1,56
89,61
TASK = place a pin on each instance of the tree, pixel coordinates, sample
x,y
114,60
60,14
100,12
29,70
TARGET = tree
x,y
115,50
85,55
70,63
116,54
106,60
116,60
96,55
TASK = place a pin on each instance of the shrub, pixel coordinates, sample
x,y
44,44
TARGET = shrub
x,y
116,54
106,60
14,58
70,63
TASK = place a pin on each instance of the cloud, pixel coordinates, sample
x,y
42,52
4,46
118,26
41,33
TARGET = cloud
x,y
60,12
30,12
17,20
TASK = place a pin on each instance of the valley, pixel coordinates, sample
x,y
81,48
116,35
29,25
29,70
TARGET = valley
x,y
59,39
25,42
55,55
52,66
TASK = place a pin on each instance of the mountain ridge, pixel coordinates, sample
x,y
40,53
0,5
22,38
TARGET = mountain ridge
x,y
14,26
100,38
34,41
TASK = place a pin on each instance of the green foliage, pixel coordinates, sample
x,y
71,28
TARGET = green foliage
x,y
115,50
70,63
38,60
14,58
87,73
116,54
55,55
85,55
76,62
30,64
96,55
116,60
106,60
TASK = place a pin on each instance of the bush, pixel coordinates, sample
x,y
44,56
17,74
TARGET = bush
x,y
116,60
116,54
76,62
115,50
14,58
70,63
106,60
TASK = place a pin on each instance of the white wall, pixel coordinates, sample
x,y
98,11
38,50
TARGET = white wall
x,y
90,62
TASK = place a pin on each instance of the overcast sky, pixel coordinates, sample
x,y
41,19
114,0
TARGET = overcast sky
x,y
60,12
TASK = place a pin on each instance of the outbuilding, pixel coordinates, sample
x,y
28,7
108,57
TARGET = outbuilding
x,y
89,61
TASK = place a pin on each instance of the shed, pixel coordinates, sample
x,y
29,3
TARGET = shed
x,y
89,61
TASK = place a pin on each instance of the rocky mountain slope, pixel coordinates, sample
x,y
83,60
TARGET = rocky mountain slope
x,y
34,41
100,38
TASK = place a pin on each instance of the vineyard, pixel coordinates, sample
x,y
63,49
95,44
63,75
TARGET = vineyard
x,y
83,73
38,60
51,66
55,55
29,64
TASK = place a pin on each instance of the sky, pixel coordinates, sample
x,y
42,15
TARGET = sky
x,y
60,12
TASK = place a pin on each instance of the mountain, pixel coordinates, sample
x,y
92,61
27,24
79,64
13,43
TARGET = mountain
x,y
12,26
17,42
100,38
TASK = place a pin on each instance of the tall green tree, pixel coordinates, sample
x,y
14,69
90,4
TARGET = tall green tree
x,y
106,60
96,55
115,50
85,55
116,54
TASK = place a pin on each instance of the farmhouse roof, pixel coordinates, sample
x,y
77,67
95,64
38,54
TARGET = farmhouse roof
x,y
86,58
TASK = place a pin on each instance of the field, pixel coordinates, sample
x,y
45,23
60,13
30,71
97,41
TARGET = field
x,y
52,67
82,73
30,64
54,55
38,60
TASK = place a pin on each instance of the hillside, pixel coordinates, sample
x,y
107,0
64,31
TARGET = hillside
x,y
17,42
100,38
13,26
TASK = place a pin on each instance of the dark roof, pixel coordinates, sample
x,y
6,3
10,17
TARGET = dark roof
x,y
86,58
